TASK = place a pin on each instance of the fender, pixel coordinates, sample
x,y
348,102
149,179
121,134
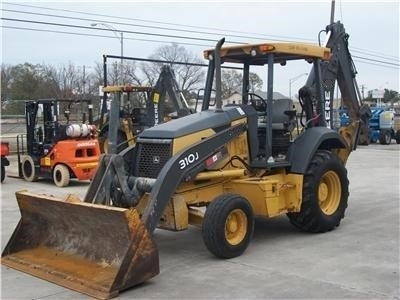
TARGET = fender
x,y
303,148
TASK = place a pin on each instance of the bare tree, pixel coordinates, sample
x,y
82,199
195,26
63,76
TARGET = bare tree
x,y
117,73
151,72
189,77
129,73
255,82
232,82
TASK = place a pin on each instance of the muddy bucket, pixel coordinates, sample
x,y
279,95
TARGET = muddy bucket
x,y
93,249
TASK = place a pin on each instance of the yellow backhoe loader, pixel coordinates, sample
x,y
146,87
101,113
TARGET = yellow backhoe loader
x,y
218,169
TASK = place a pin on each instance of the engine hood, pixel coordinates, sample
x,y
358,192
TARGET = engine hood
x,y
194,123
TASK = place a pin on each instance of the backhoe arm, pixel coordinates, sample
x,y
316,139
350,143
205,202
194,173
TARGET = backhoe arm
x,y
167,85
340,67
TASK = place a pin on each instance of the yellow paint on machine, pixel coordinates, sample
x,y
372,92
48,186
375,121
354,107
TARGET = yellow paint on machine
x,y
270,196
87,165
47,161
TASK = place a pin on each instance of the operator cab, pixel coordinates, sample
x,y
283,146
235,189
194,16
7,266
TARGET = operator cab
x,y
270,136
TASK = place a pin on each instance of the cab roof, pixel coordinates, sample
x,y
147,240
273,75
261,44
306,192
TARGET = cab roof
x,y
257,54
126,88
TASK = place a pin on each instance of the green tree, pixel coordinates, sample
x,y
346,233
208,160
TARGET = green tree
x,y
391,96
24,82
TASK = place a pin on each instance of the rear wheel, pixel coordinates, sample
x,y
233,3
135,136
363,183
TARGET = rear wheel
x,y
364,137
228,226
121,142
61,175
28,169
398,137
325,194
385,137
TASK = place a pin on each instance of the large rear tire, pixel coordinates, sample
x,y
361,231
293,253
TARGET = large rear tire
x,y
61,175
325,194
28,169
228,226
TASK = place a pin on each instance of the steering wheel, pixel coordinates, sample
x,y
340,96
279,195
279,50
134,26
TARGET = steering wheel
x,y
258,102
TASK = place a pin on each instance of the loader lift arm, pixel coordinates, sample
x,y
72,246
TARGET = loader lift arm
x,y
113,176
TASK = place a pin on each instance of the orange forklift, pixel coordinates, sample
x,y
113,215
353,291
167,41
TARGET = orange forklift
x,y
5,150
55,149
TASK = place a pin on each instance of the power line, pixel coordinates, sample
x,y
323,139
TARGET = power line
x,y
374,53
124,31
375,60
360,59
138,25
151,34
380,55
98,35
375,64
222,30
381,63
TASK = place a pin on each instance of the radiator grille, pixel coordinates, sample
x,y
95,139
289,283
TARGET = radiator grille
x,y
152,158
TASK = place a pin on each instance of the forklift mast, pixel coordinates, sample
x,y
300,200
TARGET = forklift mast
x,y
34,132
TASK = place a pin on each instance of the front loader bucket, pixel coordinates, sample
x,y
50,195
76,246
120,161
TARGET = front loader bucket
x,y
93,249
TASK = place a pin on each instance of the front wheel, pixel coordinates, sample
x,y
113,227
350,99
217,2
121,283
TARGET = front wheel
x,y
325,194
61,175
28,169
228,226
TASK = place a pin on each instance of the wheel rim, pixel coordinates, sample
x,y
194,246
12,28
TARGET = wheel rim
x,y
329,192
235,227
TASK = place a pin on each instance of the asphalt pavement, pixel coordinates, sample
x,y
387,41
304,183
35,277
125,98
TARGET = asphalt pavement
x,y
358,260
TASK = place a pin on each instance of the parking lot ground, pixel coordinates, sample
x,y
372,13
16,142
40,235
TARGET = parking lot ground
x,y
358,260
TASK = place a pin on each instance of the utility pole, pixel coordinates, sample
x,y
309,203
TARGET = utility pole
x,y
362,91
84,79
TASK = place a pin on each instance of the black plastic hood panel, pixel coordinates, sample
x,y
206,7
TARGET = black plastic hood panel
x,y
194,123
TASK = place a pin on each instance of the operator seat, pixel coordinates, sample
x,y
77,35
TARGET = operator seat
x,y
283,114
283,122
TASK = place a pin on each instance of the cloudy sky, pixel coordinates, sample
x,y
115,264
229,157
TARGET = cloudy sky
x,y
60,32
